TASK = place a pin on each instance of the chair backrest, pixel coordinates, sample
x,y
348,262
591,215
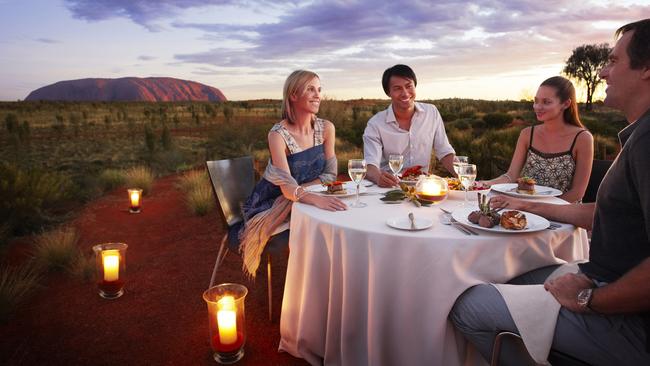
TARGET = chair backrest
x,y
598,170
233,181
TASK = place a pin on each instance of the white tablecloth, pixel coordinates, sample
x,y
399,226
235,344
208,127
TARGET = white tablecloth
x,y
359,292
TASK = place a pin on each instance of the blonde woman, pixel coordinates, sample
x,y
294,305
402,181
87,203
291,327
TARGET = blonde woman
x,y
302,154
559,152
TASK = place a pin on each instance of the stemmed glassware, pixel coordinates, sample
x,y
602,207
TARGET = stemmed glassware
x,y
467,175
458,161
357,171
395,162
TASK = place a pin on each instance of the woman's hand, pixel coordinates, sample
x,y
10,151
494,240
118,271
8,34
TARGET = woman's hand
x,y
327,203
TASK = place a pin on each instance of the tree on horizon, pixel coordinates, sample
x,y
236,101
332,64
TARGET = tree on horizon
x,y
585,64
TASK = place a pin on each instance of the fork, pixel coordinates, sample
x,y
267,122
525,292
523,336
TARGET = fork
x,y
446,219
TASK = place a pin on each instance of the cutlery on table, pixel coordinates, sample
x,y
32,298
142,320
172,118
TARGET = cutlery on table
x,y
412,219
446,220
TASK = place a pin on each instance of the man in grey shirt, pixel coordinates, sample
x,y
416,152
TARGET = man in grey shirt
x,y
406,127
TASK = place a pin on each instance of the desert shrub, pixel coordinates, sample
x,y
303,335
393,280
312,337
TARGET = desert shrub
x,y
149,139
16,285
110,179
139,177
200,199
605,147
82,267
57,249
237,139
31,198
11,122
166,139
497,120
492,151
192,179
168,161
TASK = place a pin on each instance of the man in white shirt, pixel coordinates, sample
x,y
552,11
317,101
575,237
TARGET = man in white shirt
x,y
406,127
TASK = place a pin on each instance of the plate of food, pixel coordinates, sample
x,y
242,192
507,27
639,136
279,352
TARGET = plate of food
x,y
403,223
336,188
526,188
411,175
456,189
509,222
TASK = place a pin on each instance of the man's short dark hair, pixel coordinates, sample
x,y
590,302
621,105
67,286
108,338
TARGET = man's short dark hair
x,y
397,70
639,48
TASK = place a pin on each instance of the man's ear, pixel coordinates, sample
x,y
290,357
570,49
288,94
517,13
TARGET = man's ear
x,y
645,73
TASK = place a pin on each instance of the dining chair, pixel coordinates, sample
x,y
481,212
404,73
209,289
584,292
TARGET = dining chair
x,y
598,170
555,358
233,181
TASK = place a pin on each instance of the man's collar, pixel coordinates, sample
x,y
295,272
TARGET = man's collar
x,y
390,115
625,133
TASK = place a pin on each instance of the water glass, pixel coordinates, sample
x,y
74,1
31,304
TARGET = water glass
x,y
395,162
467,176
458,161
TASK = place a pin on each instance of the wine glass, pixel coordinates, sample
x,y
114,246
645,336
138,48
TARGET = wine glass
x,y
357,171
395,162
467,175
458,161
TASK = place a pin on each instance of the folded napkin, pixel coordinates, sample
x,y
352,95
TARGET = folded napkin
x,y
534,311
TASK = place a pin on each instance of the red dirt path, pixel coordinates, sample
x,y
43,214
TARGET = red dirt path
x,y
161,319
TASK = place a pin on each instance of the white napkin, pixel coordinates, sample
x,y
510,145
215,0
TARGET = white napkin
x,y
534,311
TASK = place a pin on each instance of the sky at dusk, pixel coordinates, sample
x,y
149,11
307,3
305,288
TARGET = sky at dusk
x,y
484,49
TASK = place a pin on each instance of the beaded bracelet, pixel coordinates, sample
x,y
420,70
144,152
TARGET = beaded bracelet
x,y
295,192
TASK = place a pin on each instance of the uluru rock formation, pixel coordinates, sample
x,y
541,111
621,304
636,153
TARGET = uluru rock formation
x,y
155,89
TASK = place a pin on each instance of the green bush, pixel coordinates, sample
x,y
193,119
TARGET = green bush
x,y
497,120
110,179
31,199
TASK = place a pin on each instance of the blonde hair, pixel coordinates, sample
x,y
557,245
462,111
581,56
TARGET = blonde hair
x,y
296,84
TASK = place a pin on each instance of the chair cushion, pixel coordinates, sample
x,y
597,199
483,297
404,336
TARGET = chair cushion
x,y
277,243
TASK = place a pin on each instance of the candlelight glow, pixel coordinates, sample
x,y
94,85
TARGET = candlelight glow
x,y
111,262
227,320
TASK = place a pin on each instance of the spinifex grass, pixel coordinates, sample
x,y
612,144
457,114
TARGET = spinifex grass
x,y
111,179
192,179
200,199
139,177
57,249
16,284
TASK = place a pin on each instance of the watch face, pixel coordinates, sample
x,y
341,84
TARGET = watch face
x,y
584,296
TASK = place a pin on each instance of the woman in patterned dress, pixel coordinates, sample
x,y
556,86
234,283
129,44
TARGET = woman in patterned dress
x,y
559,152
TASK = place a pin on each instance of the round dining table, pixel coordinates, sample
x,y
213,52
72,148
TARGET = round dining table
x,y
361,292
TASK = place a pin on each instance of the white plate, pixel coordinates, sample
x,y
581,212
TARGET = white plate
x,y
409,182
540,191
534,222
403,223
471,195
350,190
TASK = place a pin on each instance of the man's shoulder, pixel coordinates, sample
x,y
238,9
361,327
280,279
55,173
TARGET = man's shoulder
x,y
379,117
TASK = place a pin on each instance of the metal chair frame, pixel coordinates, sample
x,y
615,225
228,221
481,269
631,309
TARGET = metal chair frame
x,y
230,195
555,358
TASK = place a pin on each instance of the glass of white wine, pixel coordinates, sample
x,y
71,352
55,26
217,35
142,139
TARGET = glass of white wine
x,y
458,161
467,176
395,162
357,171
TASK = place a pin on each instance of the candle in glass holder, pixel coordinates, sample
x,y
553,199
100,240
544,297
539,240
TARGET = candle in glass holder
x,y
111,269
431,188
226,320
135,196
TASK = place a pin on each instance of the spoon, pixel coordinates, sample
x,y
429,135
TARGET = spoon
x,y
412,218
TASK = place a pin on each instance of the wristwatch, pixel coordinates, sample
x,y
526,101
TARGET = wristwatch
x,y
584,298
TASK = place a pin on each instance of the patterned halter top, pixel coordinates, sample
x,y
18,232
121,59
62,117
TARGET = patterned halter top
x,y
550,169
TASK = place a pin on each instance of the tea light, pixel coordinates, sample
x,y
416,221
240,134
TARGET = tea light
x,y
431,188
135,196
110,264
226,321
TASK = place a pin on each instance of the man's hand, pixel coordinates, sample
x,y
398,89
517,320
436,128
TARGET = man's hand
x,y
386,179
565,289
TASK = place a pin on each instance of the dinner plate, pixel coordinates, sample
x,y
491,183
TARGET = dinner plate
x,y
540,191
350,190
403,223
534,222
409,182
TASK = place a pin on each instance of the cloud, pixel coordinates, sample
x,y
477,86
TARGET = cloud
x,y
47,40
146,58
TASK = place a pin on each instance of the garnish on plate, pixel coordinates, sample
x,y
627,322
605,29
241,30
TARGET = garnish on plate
x,y
526,185
335,187
405,193
412,173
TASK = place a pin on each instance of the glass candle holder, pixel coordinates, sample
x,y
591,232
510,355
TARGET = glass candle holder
x,y
226,321
135,196
431,188
110,262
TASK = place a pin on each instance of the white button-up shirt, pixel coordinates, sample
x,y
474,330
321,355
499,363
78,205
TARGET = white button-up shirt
x,y
383,137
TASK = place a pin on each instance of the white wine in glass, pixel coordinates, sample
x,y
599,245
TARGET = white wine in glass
x,y
395,163
458,161
467,176
357,171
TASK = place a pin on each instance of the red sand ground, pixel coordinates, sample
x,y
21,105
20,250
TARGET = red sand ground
x,y
161,319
